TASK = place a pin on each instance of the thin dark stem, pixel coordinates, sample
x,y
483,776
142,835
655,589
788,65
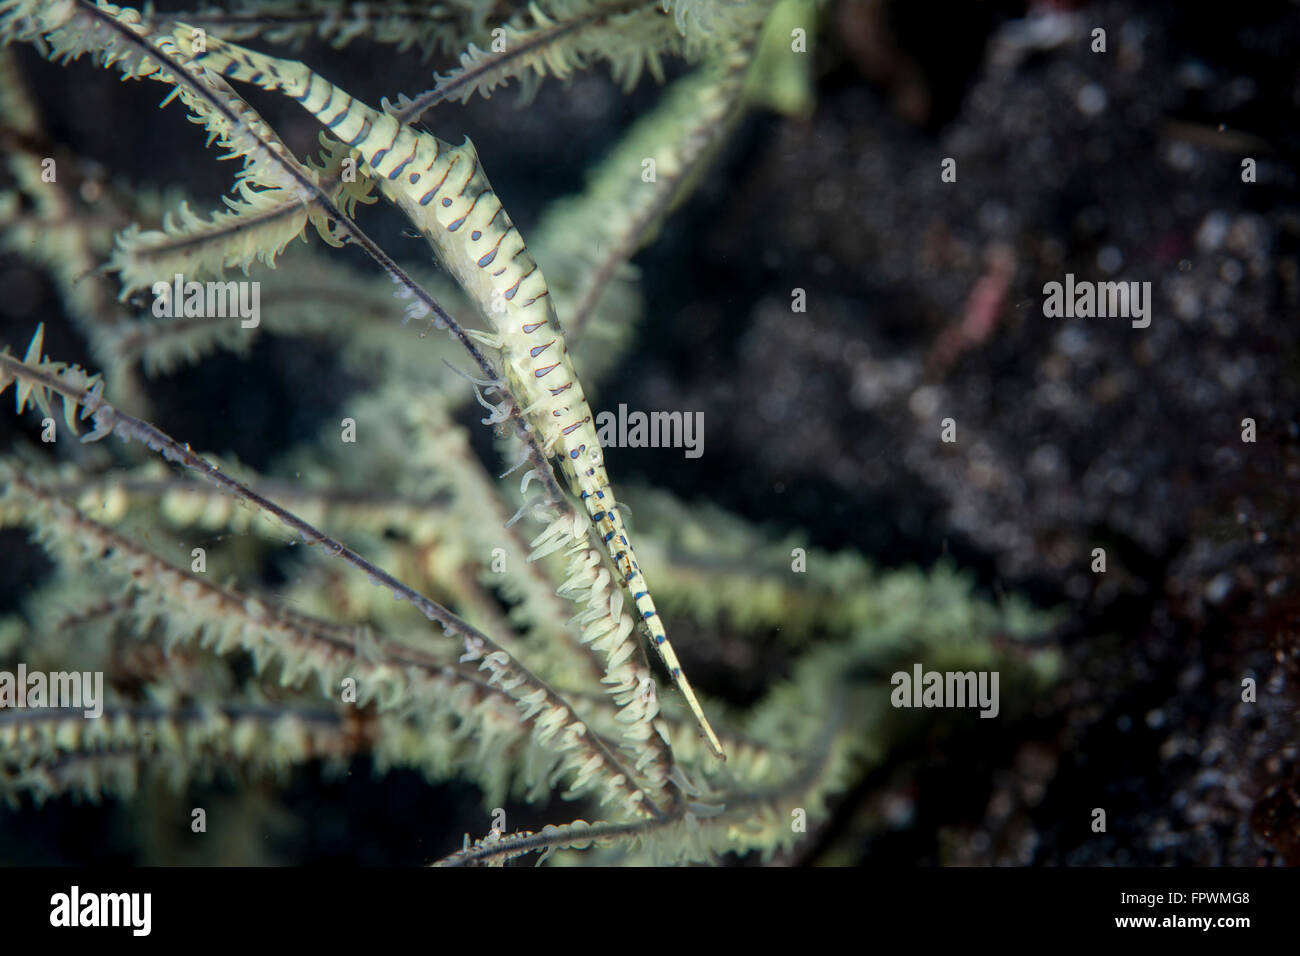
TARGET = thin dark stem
x,y
109,418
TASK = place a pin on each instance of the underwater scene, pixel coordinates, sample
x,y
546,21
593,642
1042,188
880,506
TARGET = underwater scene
x,y
649,432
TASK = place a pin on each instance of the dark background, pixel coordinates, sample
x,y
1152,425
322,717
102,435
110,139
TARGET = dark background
x,y
1073,433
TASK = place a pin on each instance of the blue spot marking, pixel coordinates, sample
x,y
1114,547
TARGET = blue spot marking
x,y
574,453
446,201
424,200
639,595
648,614
659,639
457,224
398,171
378,158
362,134
623,539
608,536
677,672
476,235
600,494
487,259
413,178
339,118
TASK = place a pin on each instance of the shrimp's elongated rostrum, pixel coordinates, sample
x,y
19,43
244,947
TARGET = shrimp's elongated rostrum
x,y
445,193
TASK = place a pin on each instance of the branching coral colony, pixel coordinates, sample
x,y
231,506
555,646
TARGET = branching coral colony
x,y
551,689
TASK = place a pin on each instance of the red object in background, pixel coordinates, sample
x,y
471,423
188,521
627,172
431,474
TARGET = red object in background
x,y
983,311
